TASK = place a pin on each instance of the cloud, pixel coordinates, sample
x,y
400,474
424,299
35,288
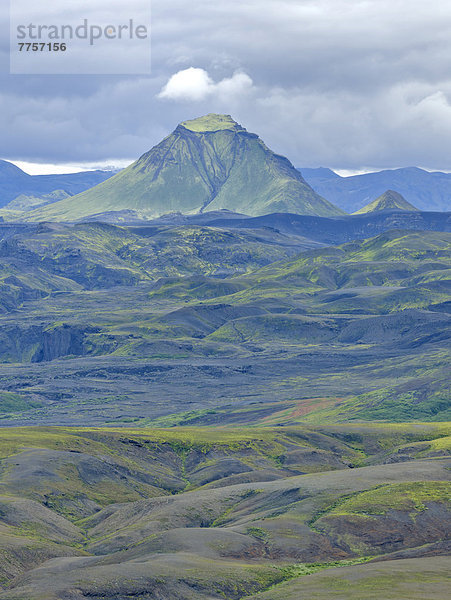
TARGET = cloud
x,y
336,83
189,84
196,84
238,84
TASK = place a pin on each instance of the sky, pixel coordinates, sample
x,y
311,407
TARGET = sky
x,y
353,85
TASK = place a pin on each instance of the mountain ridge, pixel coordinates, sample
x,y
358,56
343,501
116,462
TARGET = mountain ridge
x,y
15,183
429,191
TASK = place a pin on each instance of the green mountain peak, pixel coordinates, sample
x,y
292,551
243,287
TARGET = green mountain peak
x,y
206,164
389,200
212,122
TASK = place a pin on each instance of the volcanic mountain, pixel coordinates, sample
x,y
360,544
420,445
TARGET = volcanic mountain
x,y
389,200
206,164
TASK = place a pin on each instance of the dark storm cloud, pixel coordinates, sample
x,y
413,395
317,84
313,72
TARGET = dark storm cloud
x,y
342,83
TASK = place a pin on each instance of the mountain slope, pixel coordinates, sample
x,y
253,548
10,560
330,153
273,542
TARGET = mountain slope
x,y
427,191
389,201
25,203
14,183
206,164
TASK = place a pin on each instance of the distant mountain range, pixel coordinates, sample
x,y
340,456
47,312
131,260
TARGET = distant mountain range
x,y
20,191
206,164
425,190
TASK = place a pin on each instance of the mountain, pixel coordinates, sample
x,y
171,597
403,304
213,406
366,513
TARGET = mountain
x,y
206,164
425,190
319,173
15,184
12,181
26,203
389,201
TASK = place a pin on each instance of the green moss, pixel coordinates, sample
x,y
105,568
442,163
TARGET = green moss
x,y
389,404
302,569
258,533
13,440
211,122
403,496
13,403
414,579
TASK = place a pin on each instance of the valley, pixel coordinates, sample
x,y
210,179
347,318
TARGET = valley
x,y
101,320
217,385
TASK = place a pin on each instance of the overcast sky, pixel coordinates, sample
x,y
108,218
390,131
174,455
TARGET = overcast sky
x,y
347,84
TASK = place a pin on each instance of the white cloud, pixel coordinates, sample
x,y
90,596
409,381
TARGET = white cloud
x,y
189,84
196,84
238,84
33,168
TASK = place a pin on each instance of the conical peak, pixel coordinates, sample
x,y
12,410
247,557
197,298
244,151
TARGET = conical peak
x,y
206,164
212,122
389,200
392,196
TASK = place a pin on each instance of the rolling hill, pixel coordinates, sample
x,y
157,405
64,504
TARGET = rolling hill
x,y
327,230
198,513
206,164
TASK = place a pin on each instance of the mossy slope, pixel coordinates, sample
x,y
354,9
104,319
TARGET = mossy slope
x,y
206,164
388,201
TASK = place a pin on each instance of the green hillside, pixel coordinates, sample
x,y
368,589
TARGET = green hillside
x,y
388,201
206,164
214,513
48,258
